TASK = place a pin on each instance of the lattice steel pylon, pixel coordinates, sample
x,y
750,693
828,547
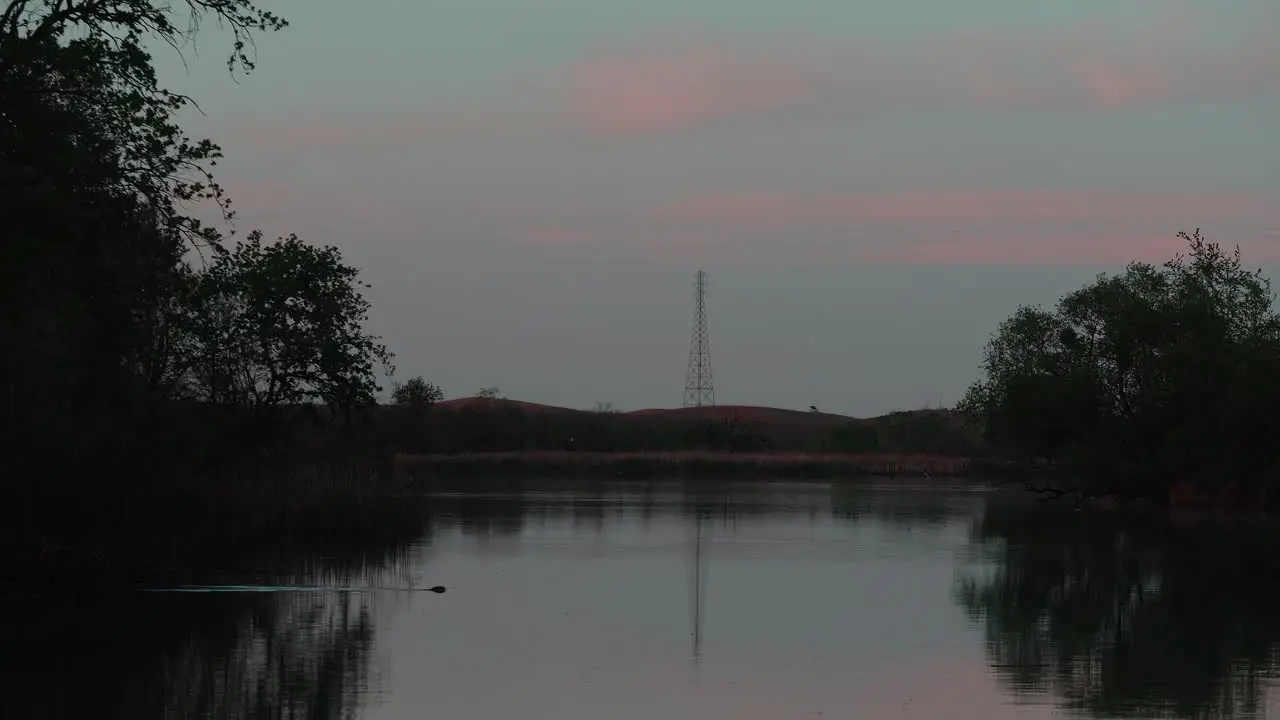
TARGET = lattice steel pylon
x,y
698,389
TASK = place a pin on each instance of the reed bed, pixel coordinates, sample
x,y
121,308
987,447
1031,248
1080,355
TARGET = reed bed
x,y
686,464
189,523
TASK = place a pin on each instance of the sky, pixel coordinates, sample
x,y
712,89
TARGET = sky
x,y
871,186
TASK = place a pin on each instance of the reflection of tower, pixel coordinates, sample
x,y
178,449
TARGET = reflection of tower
x,y
698,588
697,382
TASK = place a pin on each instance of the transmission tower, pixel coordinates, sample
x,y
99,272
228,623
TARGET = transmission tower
x,y
698,390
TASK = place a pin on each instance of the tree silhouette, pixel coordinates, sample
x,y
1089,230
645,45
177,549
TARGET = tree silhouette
x,y
417,392
1143,380
283,323
134,343
99,185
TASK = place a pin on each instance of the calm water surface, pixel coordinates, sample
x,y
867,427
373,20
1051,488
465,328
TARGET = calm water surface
x,y
707,600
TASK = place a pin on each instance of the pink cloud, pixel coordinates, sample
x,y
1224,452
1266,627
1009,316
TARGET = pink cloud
x,y
1041,250
666,86
555,237
991,249
987,227
280,208
671,86
678,81
991,227
309,133
1040,205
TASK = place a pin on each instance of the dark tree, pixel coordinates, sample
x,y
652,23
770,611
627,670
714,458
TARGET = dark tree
x,y
96,186
1143,380
283,323
417,392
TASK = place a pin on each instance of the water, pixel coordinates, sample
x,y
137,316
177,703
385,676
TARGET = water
x,y
728,600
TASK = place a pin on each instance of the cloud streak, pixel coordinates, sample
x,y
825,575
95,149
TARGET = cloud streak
x,y
672,84
552,163
991,227
1041,205
680,81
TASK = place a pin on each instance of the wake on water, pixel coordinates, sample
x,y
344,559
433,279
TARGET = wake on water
x,y
288,588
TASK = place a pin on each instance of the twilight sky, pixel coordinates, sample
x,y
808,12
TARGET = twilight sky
x,y
871,186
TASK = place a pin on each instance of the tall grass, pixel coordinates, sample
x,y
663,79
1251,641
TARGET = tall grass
x,y
805,465
191,526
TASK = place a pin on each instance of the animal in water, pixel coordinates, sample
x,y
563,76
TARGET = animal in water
x,y
288,588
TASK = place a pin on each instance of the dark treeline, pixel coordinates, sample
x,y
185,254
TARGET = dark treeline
x,y
1128,617
120,307
148,363
1157,383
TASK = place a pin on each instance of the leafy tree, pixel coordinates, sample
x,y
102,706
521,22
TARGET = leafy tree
x,y
125,23
417,392
489,393
97,180
1143,379
85,64
283,323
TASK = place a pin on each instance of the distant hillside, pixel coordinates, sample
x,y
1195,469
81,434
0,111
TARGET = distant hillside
x,y
490,404
498,424
714,411
746,412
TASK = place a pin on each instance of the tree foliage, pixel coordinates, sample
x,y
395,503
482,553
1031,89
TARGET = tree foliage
x,y
115,299
124,23
84,64
1140,380
283,323
92,174
416,392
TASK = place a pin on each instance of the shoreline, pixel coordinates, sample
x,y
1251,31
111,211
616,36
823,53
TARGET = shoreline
x,y
775,464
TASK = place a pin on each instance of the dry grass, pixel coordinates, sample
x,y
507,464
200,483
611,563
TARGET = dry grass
x,y
774,464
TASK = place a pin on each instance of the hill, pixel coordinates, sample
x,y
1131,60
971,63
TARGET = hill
x,y
475,424
712,412
752,413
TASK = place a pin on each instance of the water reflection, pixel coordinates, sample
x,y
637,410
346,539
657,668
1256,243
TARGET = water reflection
x,y
195,656
701,569
686,599
699,599
1125,616
104,655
